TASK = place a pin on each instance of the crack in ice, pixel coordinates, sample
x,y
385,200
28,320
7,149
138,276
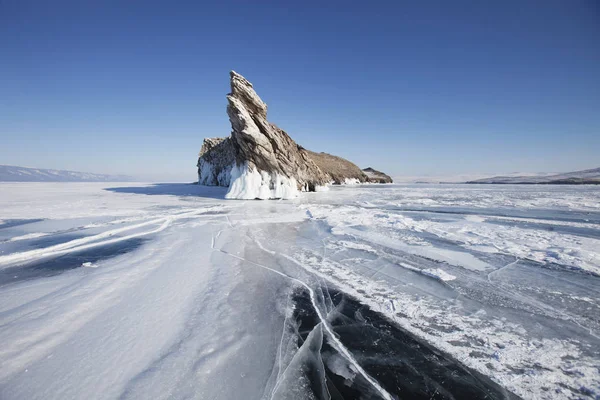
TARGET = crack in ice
x,y
341,348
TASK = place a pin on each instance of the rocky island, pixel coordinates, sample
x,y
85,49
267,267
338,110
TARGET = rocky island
x,y
261,161
377,176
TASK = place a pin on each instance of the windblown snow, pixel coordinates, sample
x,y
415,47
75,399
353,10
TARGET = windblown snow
x,y
170,291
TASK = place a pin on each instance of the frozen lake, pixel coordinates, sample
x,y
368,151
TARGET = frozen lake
x,y
169,291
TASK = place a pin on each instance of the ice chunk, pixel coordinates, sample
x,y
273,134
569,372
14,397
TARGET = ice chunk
x,y
340,366
89,265
438,274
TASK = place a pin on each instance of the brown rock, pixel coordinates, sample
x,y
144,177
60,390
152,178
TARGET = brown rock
x,y
259,156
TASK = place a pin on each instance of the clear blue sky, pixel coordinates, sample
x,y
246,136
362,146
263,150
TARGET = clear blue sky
x,y
412,88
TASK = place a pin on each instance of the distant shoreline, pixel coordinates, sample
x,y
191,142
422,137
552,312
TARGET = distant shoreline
x,y
557,182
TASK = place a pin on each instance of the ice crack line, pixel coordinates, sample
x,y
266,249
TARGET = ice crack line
x,y
345,352
489,276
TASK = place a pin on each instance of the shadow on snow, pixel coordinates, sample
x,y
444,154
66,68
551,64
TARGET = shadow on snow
x,y
175,189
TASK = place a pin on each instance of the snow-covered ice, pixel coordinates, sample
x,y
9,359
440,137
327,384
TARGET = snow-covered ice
x,y
171,291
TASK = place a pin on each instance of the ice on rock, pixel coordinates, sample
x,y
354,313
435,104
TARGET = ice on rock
x,y
215,162
351,181
248,184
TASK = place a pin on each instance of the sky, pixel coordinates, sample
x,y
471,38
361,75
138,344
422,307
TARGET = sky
x,y
407,87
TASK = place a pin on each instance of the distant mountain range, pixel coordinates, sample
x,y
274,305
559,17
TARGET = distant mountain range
x,y
10,173
461,178
588,176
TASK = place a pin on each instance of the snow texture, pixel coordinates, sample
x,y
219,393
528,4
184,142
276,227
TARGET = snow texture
x,y
168,291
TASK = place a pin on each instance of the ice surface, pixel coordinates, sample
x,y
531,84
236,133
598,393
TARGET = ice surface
x,y
504,280
27,236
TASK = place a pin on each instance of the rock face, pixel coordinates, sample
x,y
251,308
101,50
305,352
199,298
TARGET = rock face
x,y
260,160
375,176
339,170
262,146
215,161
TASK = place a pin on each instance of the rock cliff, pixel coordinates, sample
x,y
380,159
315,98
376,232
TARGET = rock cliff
x,y
215,161
261,161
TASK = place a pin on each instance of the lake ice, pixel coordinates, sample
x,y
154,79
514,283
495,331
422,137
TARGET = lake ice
x,y
381,291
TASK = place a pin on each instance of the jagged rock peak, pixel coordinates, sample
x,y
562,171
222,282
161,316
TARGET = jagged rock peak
x,y
262,146
243,90
260,160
